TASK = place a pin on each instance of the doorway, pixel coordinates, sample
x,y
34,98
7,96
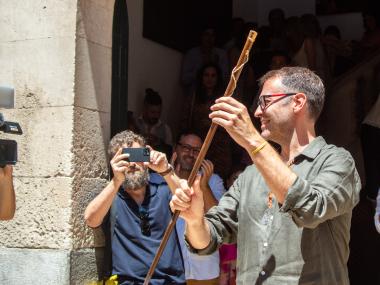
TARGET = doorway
x,y
119,89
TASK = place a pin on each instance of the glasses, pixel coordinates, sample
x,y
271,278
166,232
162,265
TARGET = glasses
x,y
144,221
264,103
189,148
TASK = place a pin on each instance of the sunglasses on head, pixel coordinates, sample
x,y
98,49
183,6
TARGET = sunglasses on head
x,y
144,221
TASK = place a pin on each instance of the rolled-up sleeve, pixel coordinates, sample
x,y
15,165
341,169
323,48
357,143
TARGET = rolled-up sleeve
x,y
211,247
332,192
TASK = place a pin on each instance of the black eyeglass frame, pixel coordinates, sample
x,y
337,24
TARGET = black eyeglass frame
x,y
144,221
189,148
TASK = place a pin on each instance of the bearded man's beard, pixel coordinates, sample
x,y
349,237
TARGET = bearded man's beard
x,y
185,165
136,180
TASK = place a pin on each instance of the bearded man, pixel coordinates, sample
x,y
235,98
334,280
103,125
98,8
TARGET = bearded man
x,y
134,212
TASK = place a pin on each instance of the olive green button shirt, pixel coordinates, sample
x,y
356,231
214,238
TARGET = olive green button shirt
x,y
303,241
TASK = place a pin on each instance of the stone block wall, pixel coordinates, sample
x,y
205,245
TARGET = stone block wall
x,y
57,56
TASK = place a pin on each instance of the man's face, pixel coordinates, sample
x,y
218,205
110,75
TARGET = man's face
x,y
152,114
187,150
136,175
277,117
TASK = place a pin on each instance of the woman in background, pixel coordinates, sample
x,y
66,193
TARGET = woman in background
x,y
209,87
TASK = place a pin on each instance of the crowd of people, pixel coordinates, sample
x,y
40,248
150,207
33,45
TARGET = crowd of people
x,y
285,41
284,219
272,202
272,206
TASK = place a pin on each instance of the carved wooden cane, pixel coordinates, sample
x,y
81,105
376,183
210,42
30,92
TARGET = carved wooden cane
x,y
235,74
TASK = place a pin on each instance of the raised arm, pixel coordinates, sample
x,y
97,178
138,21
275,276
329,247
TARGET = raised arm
x,y
190,202
234,117
159,163
98,208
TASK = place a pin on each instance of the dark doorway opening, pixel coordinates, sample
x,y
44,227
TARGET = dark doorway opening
x,y
178,24
119,89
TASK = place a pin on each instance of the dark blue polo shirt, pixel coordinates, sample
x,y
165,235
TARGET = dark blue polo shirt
x,y
137,235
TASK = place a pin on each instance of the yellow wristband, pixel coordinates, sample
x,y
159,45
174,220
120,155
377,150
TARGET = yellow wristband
x,y
260,147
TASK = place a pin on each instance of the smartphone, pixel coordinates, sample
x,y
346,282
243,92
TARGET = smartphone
x,y
137,154
8,152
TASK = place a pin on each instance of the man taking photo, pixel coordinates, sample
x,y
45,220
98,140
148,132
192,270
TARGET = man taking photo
x,y
134,212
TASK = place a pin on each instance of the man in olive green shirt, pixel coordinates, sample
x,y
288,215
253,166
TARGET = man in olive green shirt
x,y
289,213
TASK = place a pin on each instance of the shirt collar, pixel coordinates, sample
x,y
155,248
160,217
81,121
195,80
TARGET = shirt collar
x,y
156,179
314,148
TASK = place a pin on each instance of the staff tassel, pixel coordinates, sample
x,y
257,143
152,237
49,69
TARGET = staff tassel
x,y
235,74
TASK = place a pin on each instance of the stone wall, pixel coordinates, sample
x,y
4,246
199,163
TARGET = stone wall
x,y
57,56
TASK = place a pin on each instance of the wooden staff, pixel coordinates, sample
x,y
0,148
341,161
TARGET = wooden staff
x,y
235,74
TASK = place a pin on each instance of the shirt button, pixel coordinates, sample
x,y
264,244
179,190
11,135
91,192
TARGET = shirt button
x,y
262,273
265,244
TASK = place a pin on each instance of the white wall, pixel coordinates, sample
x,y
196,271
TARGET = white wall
x,y
151,65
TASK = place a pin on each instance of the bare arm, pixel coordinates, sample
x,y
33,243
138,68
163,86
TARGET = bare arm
x,y
277,175
190,202
98,208
7,194
159,163
234,117
198,234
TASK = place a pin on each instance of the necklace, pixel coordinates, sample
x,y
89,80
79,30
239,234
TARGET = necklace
x,y
270,194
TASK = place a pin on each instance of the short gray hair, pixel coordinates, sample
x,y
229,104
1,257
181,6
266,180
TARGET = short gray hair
x,y
124,138
303,80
